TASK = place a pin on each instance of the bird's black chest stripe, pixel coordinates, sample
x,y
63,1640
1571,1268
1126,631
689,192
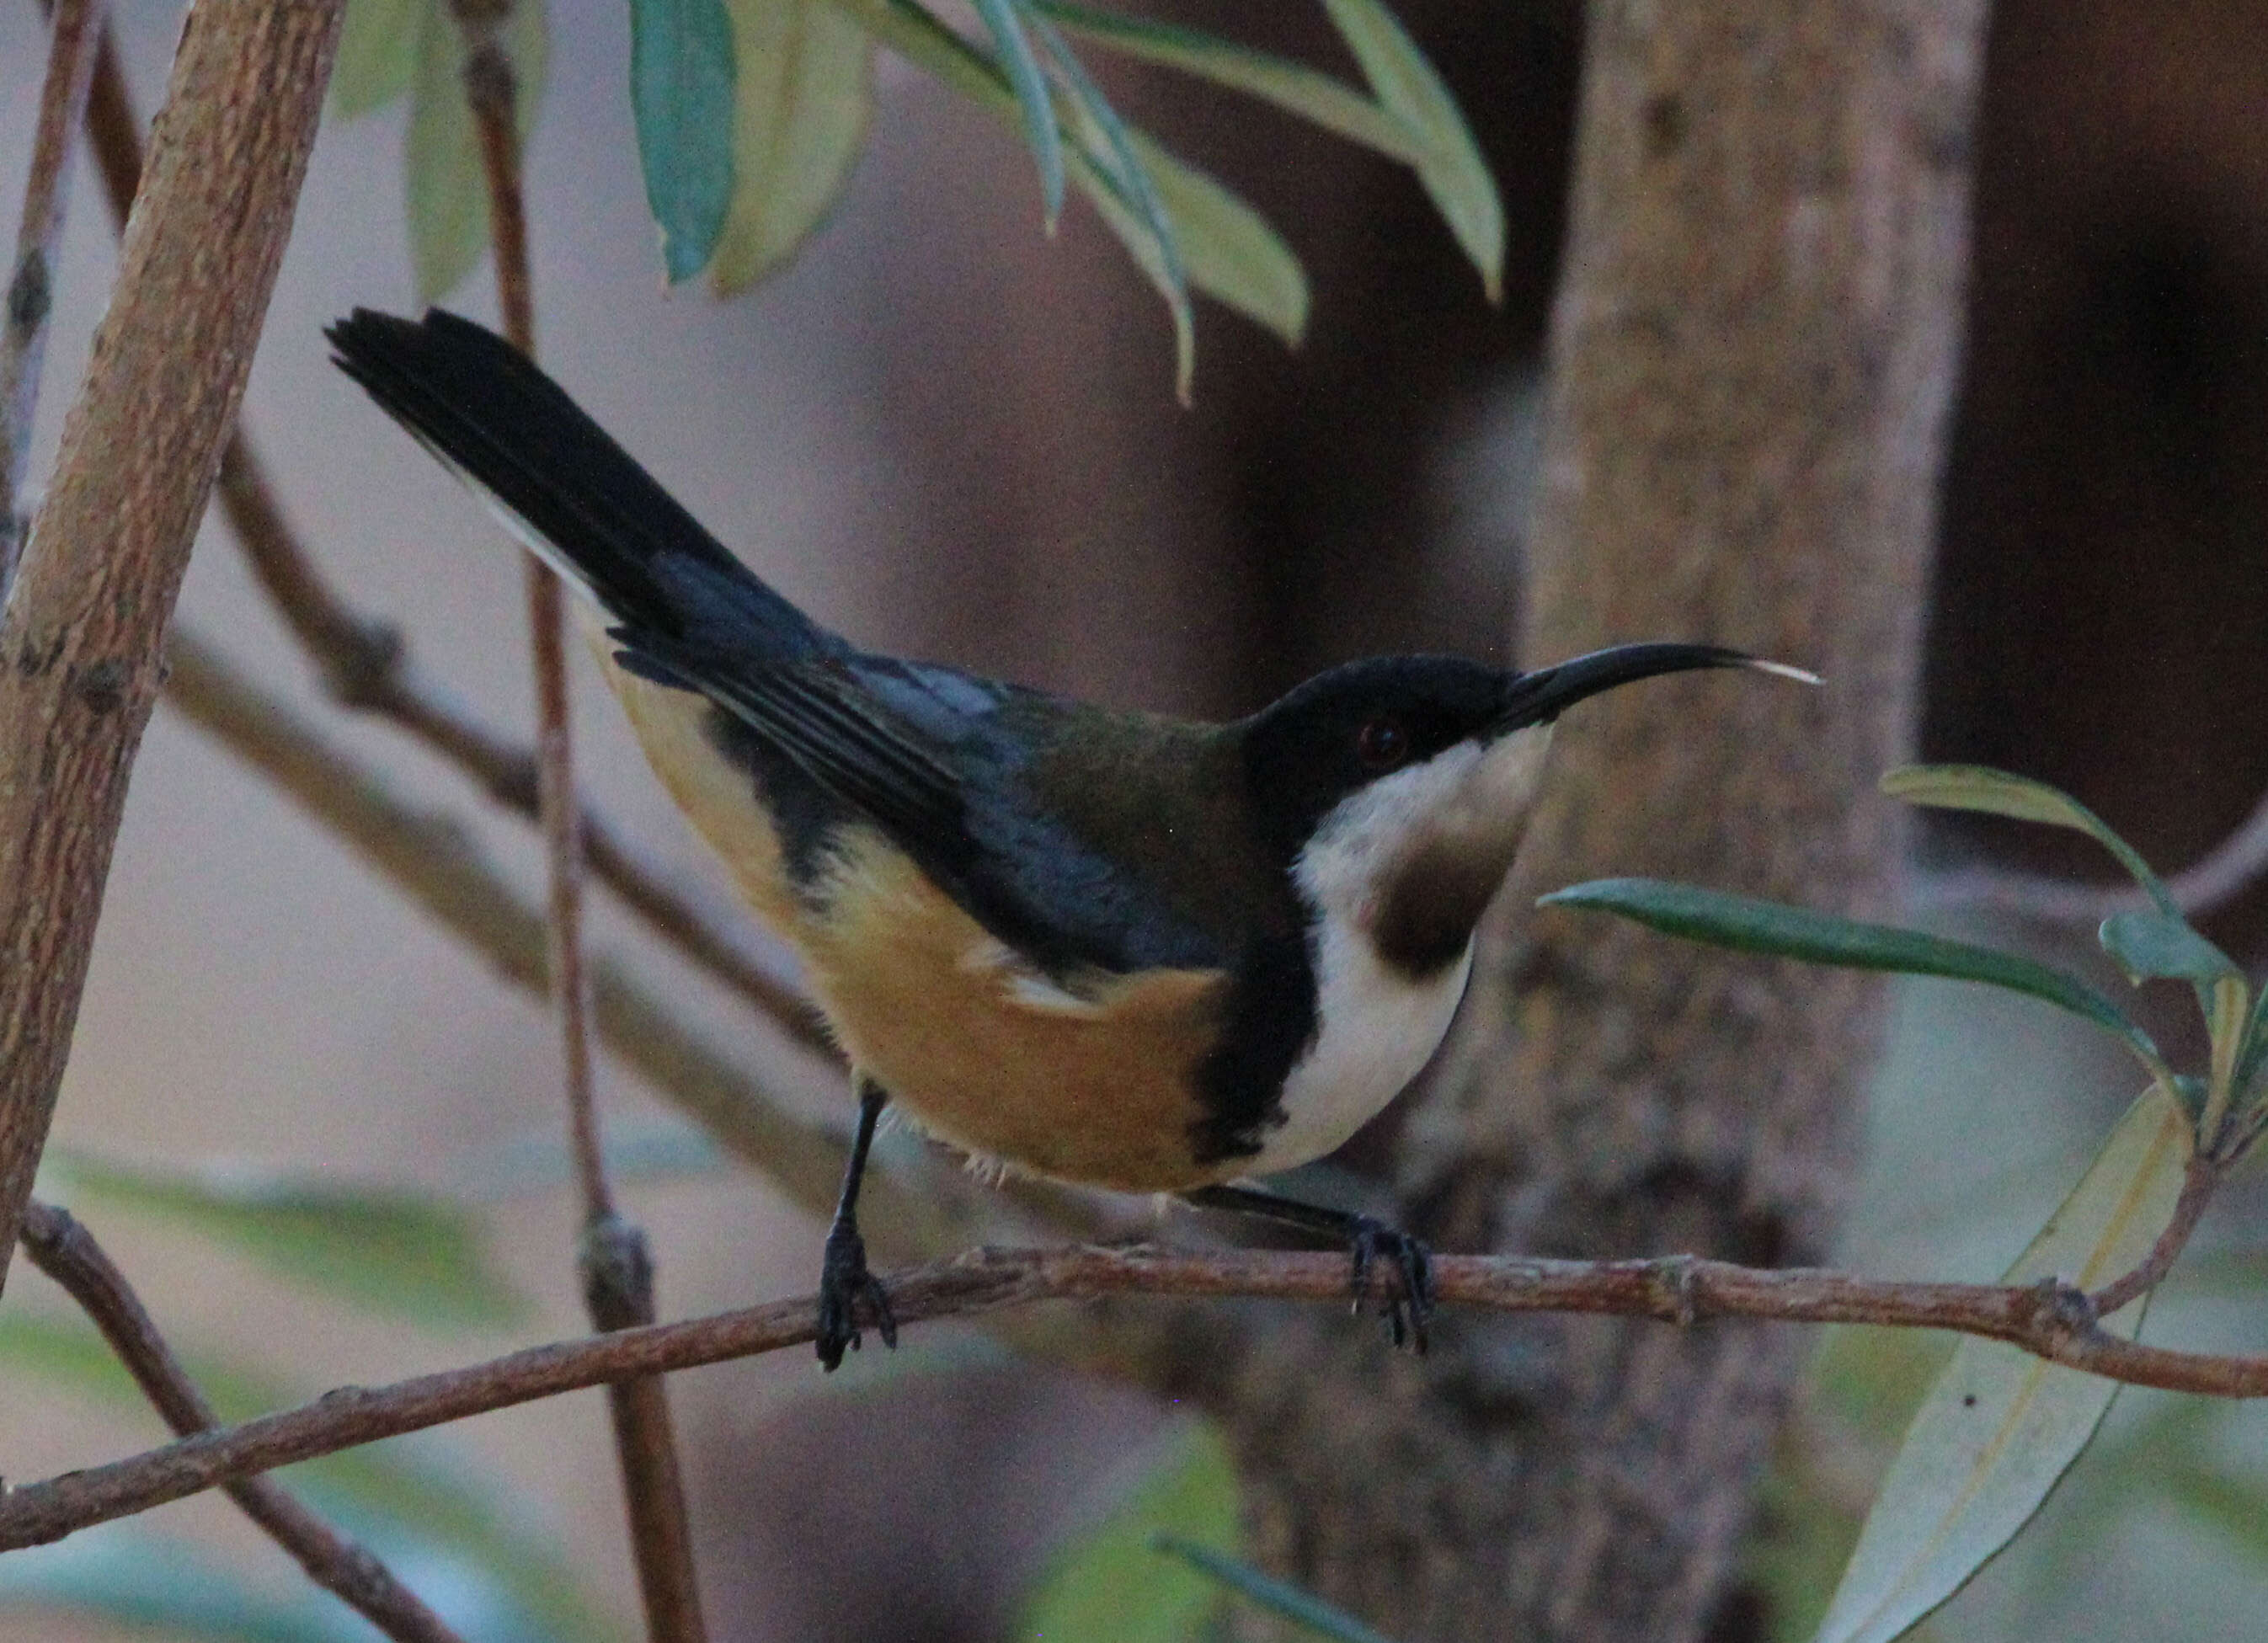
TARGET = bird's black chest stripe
x,y
1270,1022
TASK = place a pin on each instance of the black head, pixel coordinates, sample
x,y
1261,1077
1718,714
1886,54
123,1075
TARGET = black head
x,y
1355,724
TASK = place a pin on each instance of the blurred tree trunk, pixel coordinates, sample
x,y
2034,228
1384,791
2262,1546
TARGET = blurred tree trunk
x,y
1753,353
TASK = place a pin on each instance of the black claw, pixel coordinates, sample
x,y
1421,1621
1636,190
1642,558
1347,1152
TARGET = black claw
x,y
1406,1309
844,1284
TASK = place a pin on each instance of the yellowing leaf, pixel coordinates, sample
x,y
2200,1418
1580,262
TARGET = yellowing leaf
x,y
1450,165
803,94
1999,1427
1109,1584
448,193
377,53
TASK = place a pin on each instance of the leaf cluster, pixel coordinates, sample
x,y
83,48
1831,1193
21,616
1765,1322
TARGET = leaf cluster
x,y
1997,1429
751,114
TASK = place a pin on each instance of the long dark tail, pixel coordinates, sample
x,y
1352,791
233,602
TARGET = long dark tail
x,y
567,490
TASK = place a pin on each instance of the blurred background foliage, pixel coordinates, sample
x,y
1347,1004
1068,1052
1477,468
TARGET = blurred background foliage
x,y
956,436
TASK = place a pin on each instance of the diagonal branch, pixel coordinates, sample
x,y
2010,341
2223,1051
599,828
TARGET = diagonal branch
x,y
365,666
2052,1321
67,1252
75,35
82,632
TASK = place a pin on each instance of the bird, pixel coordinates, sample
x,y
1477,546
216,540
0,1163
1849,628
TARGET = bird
x,y
1103,947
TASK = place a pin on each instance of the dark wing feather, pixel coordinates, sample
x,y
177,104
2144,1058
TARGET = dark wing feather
x,y
576,496
820,717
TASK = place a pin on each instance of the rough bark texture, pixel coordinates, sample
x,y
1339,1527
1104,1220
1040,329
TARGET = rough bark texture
x,y
1753,353
79,657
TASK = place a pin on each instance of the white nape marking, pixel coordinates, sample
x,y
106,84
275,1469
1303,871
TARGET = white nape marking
x,y
1377,1025
1020,983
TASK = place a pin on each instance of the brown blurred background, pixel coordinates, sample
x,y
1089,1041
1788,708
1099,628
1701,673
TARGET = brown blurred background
x,y
948,436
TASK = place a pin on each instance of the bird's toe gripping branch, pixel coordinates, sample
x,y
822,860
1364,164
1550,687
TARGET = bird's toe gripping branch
x,y
845,1287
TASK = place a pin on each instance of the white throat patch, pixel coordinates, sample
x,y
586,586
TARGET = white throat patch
x,y
1377,1025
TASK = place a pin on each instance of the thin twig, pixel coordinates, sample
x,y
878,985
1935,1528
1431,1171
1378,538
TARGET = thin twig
x,y
2051,1320
62,1248
74,39
2199,1178
365,666
614,1256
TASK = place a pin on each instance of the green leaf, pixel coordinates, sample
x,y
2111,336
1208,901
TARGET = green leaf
x,y
447,187
803,94
410,1496
1231,252
1107,146
1294,87
2149,946
1996,793
1303,1608
378,53
400,1253
124,1574
1749,926
2000,1427
1227,248
681,97
1002,21
1450,166
1109,1584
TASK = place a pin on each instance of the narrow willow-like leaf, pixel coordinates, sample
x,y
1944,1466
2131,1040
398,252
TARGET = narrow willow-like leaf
x,y
1109,1584
1108,142
681,97
1303,1608
447,189
1227,248
1996,793
1750,926
125,1576
803,96
2152,946
1450,167
2000,1427
412,1498
1231,254
1005,22
1293,87
378,53
399,1253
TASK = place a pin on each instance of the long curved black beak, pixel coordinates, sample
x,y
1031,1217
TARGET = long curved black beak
x,y
1539,697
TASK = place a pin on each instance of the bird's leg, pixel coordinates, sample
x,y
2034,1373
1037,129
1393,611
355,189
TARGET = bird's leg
x,y
1368,1239
843,1280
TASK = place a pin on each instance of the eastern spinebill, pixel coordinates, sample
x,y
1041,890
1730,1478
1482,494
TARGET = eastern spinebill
x,y
1108,948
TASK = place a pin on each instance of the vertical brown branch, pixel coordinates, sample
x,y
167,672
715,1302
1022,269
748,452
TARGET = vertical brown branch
x,y
67,1253
75,36
617,1264
79,641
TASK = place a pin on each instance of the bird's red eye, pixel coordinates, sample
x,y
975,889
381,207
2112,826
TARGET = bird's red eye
x,y
1381,743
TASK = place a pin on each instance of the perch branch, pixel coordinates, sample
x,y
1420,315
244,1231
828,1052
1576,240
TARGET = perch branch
x,y
81,635
62,1248
2052,1321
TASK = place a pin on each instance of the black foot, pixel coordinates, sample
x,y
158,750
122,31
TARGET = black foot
x,y
1411,1263
844,1283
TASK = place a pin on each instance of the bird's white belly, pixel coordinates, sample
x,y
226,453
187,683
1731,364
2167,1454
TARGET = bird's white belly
x,y
1375,1029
